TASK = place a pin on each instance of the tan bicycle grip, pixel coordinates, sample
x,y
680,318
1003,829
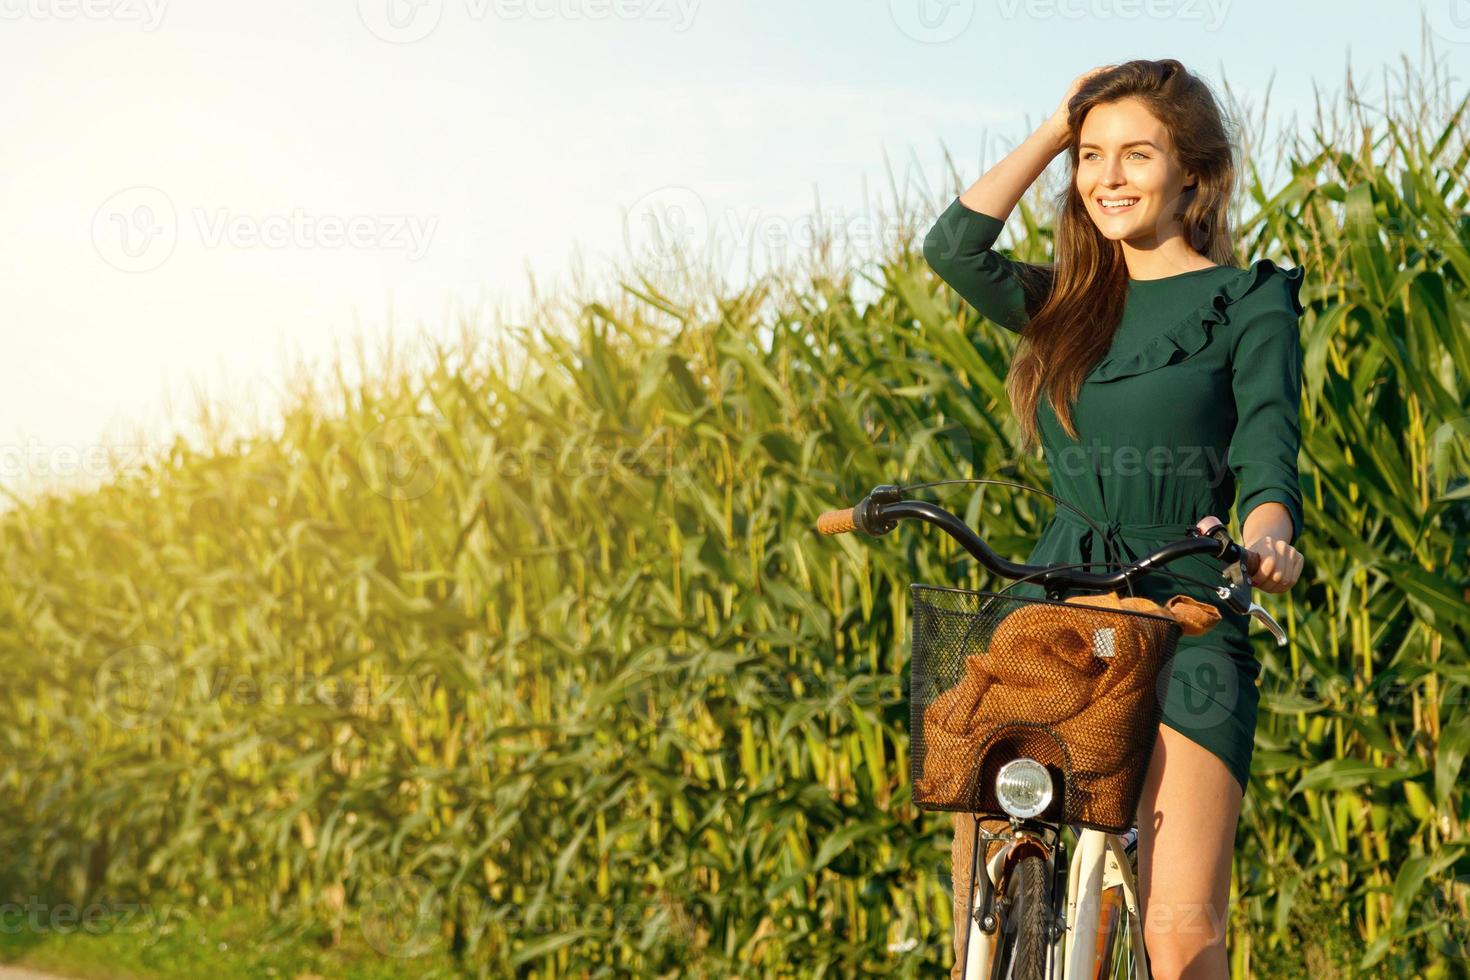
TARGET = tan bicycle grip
x,y
836,522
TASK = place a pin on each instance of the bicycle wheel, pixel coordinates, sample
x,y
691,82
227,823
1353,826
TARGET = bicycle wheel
x,y
1115,957
1021,951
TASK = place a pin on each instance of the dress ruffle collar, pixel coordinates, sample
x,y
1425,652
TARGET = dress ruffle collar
x,y
1193,331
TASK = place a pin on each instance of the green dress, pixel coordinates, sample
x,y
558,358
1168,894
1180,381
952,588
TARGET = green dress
x,y
1198,396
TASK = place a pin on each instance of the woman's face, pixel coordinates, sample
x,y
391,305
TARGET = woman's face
x,y
1124,153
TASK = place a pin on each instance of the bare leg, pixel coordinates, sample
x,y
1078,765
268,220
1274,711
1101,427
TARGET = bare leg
x,y
1186,837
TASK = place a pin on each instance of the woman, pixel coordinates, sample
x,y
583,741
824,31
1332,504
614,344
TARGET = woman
x,y
1159,377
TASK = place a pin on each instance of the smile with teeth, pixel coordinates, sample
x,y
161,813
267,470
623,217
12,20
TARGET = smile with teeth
x,y
1117,203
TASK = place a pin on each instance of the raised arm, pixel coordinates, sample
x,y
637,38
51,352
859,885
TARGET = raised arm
x,y
959,247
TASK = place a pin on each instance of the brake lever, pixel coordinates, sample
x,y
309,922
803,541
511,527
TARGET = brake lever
x,y
1237,595
1270,623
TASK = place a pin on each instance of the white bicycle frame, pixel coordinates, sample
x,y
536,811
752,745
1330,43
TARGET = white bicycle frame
x,y
1099,862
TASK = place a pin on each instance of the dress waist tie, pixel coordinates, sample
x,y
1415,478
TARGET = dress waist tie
x,y
1113,543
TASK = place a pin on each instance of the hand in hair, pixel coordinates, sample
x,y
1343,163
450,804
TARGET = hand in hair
x,y
1058,120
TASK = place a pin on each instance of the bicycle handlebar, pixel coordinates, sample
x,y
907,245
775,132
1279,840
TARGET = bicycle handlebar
x,y
881,510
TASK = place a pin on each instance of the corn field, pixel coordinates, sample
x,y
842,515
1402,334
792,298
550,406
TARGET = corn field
x,y
528,654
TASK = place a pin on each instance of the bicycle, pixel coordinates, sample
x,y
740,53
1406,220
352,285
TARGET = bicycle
x,y
1019,927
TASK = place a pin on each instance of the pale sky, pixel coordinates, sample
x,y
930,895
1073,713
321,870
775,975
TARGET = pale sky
x,y
198,191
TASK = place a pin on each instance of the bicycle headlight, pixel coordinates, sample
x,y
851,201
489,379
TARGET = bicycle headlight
x,y
1023,787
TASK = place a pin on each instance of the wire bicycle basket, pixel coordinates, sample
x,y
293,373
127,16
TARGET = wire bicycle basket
x,y
1077,687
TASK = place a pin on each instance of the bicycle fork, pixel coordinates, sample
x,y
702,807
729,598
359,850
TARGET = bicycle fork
x,y
985,912
1098,868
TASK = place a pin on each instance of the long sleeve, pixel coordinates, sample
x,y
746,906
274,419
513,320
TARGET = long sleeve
x,y
959,250
1267,382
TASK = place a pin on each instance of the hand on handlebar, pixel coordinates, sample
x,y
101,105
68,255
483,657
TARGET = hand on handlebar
x,y
1274,565
1237,595
1277,566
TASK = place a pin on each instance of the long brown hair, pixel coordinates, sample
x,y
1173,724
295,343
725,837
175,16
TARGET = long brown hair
x,y
1081,295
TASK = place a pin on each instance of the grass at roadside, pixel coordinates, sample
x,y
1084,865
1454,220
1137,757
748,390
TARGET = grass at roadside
x,y
189,943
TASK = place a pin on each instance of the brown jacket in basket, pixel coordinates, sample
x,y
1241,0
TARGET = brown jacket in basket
x,y
1047,664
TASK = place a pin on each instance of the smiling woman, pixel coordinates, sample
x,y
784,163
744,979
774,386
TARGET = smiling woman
x,y
1128,199
1172,379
